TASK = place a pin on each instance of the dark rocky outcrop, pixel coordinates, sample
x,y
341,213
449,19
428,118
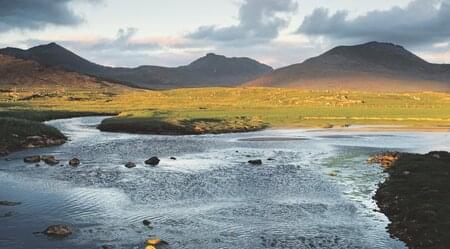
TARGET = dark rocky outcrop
x,y
416,199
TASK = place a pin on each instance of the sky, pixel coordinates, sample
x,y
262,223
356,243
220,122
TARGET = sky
x,y
176,32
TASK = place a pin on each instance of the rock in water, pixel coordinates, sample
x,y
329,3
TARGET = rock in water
x,y
152,161
130,165
146,222
32,159
255,162
58,231
50,160
74,162
154,241
9,203
173,158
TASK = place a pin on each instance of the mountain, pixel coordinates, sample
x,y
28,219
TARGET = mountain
x,y
372,66
210,70
19,75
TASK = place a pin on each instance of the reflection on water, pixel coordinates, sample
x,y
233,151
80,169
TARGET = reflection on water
x,y
209,197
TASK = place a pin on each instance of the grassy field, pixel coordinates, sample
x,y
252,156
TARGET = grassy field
x,y
206,110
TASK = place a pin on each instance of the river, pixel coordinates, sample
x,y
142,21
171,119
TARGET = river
x,y
209,197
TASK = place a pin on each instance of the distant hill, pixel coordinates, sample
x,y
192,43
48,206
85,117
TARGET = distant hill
x,y
210,70
27,75
372,66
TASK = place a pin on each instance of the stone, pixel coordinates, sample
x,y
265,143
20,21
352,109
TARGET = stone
x,y
154,241
50,160
74,162
173,158
58,231
130,165
153,161
332,174
9,203
146,222
32,159
255,162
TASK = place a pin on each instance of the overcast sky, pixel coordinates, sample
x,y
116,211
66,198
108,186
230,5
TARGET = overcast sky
x,y
175,32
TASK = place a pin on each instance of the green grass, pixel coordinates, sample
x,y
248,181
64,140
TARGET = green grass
x,y
224,109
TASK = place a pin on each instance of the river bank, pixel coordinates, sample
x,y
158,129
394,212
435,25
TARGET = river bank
x,y
416,199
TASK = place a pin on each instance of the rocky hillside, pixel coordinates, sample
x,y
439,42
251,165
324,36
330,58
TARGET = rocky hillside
x,y
372,66
210,70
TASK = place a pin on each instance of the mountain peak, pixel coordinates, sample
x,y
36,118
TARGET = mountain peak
x,y
50,47
370,54
212,61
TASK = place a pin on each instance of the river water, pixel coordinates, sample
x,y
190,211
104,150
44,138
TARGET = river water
x,y
209,197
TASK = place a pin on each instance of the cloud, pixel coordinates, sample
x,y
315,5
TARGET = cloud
x,y
37,14
259,21
421,22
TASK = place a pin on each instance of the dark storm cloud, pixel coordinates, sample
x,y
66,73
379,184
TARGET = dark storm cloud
x,y
421,22
259,21
36,14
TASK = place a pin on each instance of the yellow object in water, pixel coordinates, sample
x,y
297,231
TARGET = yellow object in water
x,y
150,247
153,241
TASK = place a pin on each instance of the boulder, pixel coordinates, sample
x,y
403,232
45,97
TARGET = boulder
x,y
32,159
58,231
152,161
50,160
74,162
130,165
255,162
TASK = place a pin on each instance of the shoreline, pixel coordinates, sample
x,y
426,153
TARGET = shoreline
x,y
416,198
